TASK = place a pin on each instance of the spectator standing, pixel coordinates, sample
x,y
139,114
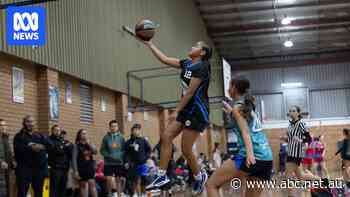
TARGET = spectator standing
x,y
113,153
344,150
31,156
137,152
319,159
84,164
60,155
6,159
101,179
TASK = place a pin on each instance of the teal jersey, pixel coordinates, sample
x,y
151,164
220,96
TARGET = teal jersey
x,y
261,146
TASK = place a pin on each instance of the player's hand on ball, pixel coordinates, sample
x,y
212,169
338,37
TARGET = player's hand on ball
x,y
147,43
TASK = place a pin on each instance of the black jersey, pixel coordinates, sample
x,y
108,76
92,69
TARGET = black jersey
x,y
200,101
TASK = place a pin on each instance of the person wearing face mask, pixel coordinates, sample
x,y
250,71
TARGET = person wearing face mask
x,y
6,159
30,150
137,152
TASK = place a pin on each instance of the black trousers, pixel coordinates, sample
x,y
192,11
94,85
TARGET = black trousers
x,y
58,182
26,177
4,184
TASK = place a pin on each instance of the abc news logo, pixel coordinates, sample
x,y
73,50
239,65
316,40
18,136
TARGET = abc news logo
x,y
26,26
29,29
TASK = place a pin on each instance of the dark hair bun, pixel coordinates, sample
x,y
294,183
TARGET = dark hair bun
x,y
242,84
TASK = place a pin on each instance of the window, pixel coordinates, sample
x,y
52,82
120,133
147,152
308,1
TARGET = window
x,y
330,103
270,107
86,108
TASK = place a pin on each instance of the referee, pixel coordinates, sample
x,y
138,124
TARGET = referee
x,y
297,136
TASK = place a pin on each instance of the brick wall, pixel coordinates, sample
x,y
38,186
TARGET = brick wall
x,y
14,112
70,113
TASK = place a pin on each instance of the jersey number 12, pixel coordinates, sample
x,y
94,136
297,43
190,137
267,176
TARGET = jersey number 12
x,y
188,74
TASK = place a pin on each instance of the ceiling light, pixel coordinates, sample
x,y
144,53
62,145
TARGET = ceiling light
x,y
286,1
288,43
291,85
286,21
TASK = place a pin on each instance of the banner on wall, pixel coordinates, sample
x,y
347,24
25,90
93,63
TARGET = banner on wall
x,y
17,85
68,95
54,102
103,104
145,116
226,69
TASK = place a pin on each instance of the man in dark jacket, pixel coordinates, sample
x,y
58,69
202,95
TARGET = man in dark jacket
x,y
60,154
6,160
137,152
31,156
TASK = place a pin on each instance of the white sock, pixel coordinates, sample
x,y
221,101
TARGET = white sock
x,y
198,177
161,172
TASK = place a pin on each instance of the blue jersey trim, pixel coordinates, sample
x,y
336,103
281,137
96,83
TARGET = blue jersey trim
x,y
193,66
201,105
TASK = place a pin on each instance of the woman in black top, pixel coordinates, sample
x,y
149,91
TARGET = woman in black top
x,y
191,115
84,164
344,151
297,136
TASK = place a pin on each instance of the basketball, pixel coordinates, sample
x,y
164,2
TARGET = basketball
x,y
145,29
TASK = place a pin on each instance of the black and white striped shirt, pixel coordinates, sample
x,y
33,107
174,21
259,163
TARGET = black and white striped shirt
x,y
297,134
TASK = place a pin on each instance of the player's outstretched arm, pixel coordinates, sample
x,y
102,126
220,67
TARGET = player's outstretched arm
x,y
170,61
